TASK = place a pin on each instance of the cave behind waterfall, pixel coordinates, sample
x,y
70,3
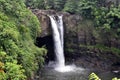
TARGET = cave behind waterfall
x,y
47,42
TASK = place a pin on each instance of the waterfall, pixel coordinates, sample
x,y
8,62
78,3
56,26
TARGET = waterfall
x,y
57,27
58,37
60,27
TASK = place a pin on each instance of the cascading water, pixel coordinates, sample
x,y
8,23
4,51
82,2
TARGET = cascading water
x,y
77,73
58,32
61,29
58,41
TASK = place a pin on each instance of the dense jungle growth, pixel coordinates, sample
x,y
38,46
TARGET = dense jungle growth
x,y
105,15
20,58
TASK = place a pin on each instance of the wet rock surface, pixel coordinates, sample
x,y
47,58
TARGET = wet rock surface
x,y
79,32
96,61
70,21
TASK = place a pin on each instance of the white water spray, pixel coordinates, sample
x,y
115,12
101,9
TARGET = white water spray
x,y
57,28
61,30
58,35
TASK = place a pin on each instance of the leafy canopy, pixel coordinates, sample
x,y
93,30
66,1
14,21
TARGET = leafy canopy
x,y
19,57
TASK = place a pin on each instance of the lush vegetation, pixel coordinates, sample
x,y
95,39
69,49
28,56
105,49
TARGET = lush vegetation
x,y
19,57
46,4
104,14
93,76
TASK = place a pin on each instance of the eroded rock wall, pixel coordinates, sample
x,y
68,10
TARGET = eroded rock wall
x,y
82,40
71,23
77,31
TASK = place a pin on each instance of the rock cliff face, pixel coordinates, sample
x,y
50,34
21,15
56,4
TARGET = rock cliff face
x,y
81,40
70,26
71,23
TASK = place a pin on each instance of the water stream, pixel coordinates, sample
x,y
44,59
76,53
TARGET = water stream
x,y
51,74
58,36
58,42
57,70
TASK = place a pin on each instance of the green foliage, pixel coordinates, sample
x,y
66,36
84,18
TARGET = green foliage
x,y
12,8
59,4
19,57
2,75
107,16
103,48
71,6
35,3
46,4
81,7
114,16
115,78
99,16
85,7
14,71
93,76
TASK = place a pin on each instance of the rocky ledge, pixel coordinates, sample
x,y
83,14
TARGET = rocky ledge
x,y
70,21
83,43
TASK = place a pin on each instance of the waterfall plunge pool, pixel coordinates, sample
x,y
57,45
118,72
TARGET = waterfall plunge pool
x,y
66,72
48,73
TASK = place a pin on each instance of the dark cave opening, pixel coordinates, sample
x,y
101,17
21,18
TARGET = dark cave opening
x,y
47,41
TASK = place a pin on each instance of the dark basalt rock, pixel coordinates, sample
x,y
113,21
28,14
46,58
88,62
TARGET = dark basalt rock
x,y
70,21
78,34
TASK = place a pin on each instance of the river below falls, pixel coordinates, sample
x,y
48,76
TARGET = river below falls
x,y
81,74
